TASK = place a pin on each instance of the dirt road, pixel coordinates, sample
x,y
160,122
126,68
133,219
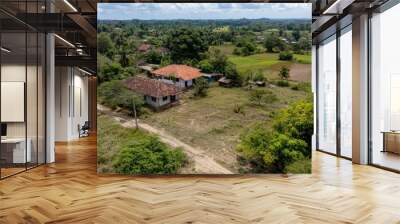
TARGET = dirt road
x,y
202,163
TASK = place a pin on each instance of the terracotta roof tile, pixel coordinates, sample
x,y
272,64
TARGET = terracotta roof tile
x,y
144,47
179,71
150,87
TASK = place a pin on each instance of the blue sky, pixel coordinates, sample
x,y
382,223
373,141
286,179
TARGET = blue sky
x,y
163,11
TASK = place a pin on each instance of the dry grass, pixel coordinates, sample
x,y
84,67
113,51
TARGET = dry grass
x,y
211,123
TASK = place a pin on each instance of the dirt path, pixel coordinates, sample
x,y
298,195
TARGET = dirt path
x,y
202,163
300,72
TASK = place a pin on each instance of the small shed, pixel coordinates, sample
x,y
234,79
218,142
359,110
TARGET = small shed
x,y
148,67
212,76
225,82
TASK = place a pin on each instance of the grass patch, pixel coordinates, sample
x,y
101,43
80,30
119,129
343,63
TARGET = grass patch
x,y
225,48
254,62
303,58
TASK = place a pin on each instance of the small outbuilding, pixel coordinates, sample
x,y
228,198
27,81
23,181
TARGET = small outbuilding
x,y
212,76
148,68
225,82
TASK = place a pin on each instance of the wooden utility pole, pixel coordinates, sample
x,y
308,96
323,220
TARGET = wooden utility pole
x,y
134,113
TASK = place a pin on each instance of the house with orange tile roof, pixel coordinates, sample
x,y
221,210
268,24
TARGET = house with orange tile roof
x,y
156,93
144,48
183,76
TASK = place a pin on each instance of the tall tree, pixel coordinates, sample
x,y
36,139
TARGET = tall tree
x,y
104,43
186,44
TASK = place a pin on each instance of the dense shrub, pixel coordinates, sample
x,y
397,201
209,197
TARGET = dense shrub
x,y
255,76
232,73
149,156
237,51
286,147
296,121
153,57
205,66
285,56
282,151
200,87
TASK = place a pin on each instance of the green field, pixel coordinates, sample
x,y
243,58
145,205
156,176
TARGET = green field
x,y
255,62
268,63
303,58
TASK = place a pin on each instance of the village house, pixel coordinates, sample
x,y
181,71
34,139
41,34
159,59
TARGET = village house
x,y
157,94
144,48
182,76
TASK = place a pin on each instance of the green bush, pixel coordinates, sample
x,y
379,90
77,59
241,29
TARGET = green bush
x,y
257,76
133,151
149,156
232,73
200,87
205,66
297,121
282,151
282,83
285,56
286,147
284,73
153,57
237,51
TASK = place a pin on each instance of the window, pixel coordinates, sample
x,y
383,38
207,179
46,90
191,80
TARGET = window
x,y
346,92
165,98
385,89
22,65
153,99
327,95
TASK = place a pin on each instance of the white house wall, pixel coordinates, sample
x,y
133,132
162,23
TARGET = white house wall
x,y
159,101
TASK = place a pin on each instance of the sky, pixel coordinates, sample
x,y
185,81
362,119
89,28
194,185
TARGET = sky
x,y
168,11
